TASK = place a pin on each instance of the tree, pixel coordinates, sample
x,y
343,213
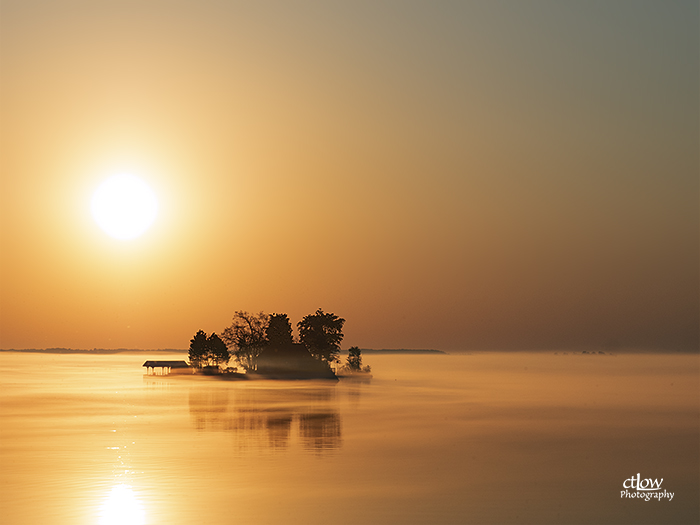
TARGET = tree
x,y
279,330
217,350
246,337
353,364
198,349
354,361
322,333
207,351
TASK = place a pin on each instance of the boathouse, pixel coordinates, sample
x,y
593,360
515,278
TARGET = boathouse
x,y
166,367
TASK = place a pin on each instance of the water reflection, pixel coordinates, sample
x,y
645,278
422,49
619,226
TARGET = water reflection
x,y
319,431
270,417
122,507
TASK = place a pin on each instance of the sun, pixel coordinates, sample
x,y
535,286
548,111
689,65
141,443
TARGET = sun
x,y
124,206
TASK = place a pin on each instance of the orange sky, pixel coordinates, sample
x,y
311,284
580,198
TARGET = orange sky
x,y
463,176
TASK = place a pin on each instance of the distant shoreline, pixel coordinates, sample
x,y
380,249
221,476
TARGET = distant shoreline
x,y
104,351
396,351
94,351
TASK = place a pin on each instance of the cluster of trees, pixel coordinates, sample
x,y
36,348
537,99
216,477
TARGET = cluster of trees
x,y
208,350
249,334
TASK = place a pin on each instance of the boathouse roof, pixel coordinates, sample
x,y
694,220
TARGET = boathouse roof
x,y
166,364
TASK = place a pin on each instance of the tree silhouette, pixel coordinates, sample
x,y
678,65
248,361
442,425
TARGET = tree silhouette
x,y
246,337
217,351
354,361
198,349
207,351
279,330
322,333
353,364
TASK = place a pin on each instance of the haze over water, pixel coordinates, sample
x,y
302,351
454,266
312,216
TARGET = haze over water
x,y
463,438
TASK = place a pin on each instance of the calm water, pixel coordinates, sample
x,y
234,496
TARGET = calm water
x,y
484,438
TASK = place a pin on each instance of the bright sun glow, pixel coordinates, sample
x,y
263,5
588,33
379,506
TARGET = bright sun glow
x,y
124,206
122,508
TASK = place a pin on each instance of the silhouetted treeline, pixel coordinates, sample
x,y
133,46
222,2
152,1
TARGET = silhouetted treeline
x,y
250,334
208,350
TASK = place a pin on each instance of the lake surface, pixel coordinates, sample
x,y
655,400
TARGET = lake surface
x,y
451,439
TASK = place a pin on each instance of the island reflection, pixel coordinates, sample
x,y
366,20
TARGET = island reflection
x,y
270,417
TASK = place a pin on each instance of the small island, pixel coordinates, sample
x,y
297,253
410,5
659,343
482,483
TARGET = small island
x,y
353,367
263,347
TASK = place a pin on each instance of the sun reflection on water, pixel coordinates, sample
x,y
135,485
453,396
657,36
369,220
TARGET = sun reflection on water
x,y
122,507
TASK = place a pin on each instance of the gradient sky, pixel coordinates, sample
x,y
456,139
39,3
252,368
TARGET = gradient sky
x,y
451,175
